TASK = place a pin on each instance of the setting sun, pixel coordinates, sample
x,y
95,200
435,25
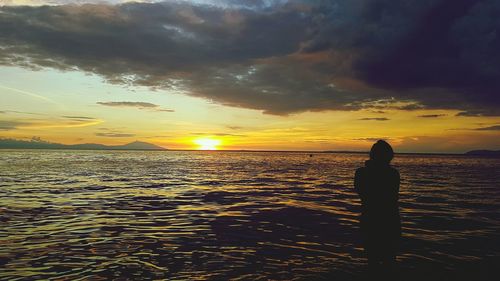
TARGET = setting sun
x,y
207,143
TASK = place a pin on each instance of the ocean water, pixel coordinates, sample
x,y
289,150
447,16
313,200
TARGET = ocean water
x,y
103,215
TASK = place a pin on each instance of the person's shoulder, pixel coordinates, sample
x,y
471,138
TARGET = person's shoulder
x,y
360,170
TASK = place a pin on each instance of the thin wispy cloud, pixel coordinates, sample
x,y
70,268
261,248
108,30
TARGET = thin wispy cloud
x,y
47,123
375,119
7,125
371,140
79,117
26,93
115,135
217,134
473,113
129,104
21,112
138,105
431,115
489,128
228,135
232,127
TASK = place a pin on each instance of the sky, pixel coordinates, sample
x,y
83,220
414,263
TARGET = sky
x,y
258,75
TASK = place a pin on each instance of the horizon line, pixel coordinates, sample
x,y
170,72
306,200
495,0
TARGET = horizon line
x,y
161,148
247,150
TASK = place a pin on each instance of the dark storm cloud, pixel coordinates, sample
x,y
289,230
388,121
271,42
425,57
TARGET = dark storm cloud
x,y
277,56
279,87
424,45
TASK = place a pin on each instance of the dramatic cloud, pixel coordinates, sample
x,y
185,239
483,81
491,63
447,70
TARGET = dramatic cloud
x,y
279,56
248,4
61,2
375,119
139,105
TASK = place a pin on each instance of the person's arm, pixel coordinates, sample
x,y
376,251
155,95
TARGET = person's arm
x,y
358,183
396,184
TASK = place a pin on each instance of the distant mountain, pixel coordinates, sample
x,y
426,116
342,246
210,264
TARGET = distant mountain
x,y
40,144
495,153
140,145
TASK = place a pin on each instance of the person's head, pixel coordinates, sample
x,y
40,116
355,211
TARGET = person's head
x,y
381,152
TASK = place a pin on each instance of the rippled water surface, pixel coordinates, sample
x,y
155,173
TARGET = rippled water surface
x,y
102,215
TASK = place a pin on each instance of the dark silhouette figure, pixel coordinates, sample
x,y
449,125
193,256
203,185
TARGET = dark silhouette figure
x,y
378,186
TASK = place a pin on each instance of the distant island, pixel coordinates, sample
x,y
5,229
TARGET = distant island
x,y
493,153
37,143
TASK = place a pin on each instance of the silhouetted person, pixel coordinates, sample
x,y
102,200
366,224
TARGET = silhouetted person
x,y
378,186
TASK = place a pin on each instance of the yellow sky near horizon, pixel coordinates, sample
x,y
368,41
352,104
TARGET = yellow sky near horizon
x,y
63,107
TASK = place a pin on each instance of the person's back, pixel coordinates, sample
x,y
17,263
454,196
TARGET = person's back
x,y
378,186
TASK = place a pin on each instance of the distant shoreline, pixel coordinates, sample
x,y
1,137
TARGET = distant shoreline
x,y
14,144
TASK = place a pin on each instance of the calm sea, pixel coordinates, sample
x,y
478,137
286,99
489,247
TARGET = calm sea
x,y
102,215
